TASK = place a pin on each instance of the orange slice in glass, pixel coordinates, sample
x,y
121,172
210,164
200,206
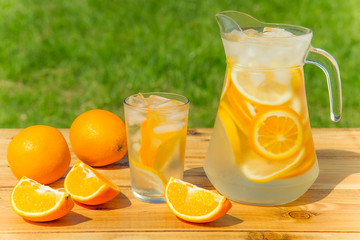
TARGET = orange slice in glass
x,y
157,144
88,186
147,178
39,203
195,204
276,133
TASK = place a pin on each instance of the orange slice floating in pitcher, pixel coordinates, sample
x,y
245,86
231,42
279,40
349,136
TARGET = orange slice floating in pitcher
x,y
231,131
239,104
263,87
259,169
276,133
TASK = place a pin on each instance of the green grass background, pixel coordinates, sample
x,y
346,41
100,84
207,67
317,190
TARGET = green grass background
x,y
61,58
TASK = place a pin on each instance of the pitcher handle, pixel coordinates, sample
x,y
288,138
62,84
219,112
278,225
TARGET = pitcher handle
x,y
328,64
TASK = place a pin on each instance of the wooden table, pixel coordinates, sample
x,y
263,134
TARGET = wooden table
x,y
329,210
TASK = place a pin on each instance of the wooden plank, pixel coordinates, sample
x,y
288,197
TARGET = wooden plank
x,y
329,210
338,159
317,210
182,235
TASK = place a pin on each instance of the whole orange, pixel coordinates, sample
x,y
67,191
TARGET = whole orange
x,y
39,152
98,137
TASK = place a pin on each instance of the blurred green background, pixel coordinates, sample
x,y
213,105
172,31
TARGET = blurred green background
x,y
61,58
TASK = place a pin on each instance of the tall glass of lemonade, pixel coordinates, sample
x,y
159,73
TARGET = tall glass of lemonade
x,y
156,125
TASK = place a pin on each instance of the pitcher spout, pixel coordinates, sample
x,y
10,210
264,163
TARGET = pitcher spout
x,y
232,20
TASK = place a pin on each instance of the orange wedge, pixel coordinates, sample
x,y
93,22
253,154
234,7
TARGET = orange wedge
x,y
39,203
87,186
276,133
194,204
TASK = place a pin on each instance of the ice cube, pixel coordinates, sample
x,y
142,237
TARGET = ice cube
x,y
276,32
136,136
234,35
136,100
252,32
154,99
134,116
257,78
176,116
167,104
169,127
136,146
283,76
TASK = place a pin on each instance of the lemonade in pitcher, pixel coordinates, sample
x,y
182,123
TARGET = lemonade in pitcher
x,y
261,150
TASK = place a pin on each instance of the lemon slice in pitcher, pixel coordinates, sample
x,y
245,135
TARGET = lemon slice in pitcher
x,y
258,169
263,87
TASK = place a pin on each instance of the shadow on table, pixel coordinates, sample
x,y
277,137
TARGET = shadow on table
x,y
198,177
332,172
121,164
71,219
120,201
225,221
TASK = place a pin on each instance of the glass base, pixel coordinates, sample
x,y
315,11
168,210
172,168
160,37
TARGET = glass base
x,y
148,199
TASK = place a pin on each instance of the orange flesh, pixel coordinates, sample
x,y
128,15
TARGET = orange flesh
x,y
85,182
278,135
27,194
191,203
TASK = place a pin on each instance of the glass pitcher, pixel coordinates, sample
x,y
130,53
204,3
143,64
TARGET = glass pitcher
x,y
261,151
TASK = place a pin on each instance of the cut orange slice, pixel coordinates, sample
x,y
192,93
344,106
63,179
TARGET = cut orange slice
x,y
232,133
240,122
88,186
258,169
307,162
153,141
238,104
266,87
169,148
195,204
276,133
39,203
227,78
